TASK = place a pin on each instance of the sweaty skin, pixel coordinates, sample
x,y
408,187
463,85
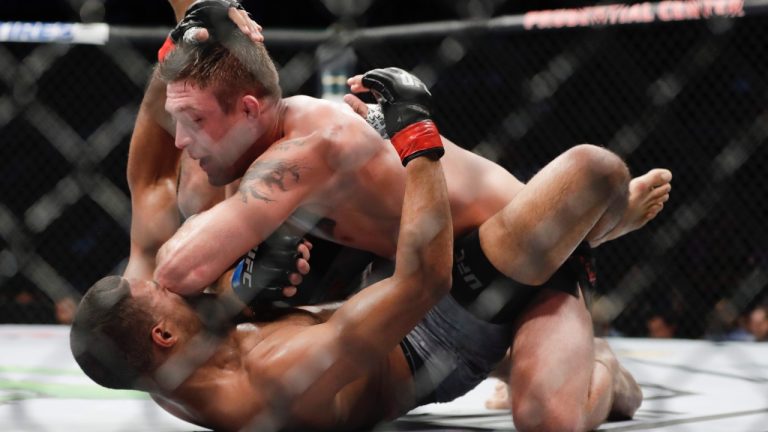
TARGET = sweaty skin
x,y
328,162
229,389
166,185
338,371
313,156
647,193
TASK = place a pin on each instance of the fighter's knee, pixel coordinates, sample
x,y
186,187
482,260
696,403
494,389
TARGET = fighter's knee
x,y
601,166
545,414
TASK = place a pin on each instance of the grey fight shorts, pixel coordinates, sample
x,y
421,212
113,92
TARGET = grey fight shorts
x,y
464,337
451,351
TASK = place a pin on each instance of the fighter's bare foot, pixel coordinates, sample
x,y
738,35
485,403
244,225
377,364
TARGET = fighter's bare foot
x,y
647,195
499,400
627,395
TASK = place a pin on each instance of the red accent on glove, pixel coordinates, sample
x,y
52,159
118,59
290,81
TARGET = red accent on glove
x,y
166,49
418,139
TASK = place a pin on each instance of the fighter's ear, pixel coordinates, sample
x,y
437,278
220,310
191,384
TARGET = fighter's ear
x,y
163,335
251,106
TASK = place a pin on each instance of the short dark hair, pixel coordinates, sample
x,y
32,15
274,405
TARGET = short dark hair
x,y
231,68
111,334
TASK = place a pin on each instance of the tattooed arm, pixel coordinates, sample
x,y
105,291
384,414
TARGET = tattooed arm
x,y
275,185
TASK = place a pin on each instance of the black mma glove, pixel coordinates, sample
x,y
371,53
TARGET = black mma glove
x,y
264,271
406,104
212,15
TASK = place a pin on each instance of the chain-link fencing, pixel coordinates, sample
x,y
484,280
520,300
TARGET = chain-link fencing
x,y
686,94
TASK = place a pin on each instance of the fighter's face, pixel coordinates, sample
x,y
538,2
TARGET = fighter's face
x,y
216,139
185,312
161,301
169,308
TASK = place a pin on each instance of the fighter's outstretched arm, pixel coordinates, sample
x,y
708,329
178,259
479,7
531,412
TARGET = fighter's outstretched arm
x,y
425,241
153,164
152,174
235,11
373,322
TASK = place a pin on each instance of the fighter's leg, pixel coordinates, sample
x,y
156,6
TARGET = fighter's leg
x,y
647,195
582,194
627,396
558,382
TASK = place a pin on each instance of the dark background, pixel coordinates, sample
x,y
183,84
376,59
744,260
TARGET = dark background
x,y
285,13
689,96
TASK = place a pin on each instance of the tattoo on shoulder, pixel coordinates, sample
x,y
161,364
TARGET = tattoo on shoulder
x,y
290,144
263,177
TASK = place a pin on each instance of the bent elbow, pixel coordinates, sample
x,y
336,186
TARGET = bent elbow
x,y
172,272
168,276
190,283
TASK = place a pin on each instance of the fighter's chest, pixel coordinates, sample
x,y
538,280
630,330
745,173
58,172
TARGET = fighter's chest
x,y
351,224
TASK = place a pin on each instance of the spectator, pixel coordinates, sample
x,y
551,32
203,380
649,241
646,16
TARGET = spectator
x,y
728,323
661,325
65,308
758,322
25,305
28,305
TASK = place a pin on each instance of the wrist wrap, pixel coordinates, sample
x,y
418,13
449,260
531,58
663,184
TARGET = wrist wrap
x,y
375,118
418,139
166,49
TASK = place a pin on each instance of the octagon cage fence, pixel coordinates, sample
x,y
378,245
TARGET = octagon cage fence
x,y
679,85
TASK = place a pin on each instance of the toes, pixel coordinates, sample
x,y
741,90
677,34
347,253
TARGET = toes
x,y
659,176
497,404
639,190
500,397
660,191
653,211
652,180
